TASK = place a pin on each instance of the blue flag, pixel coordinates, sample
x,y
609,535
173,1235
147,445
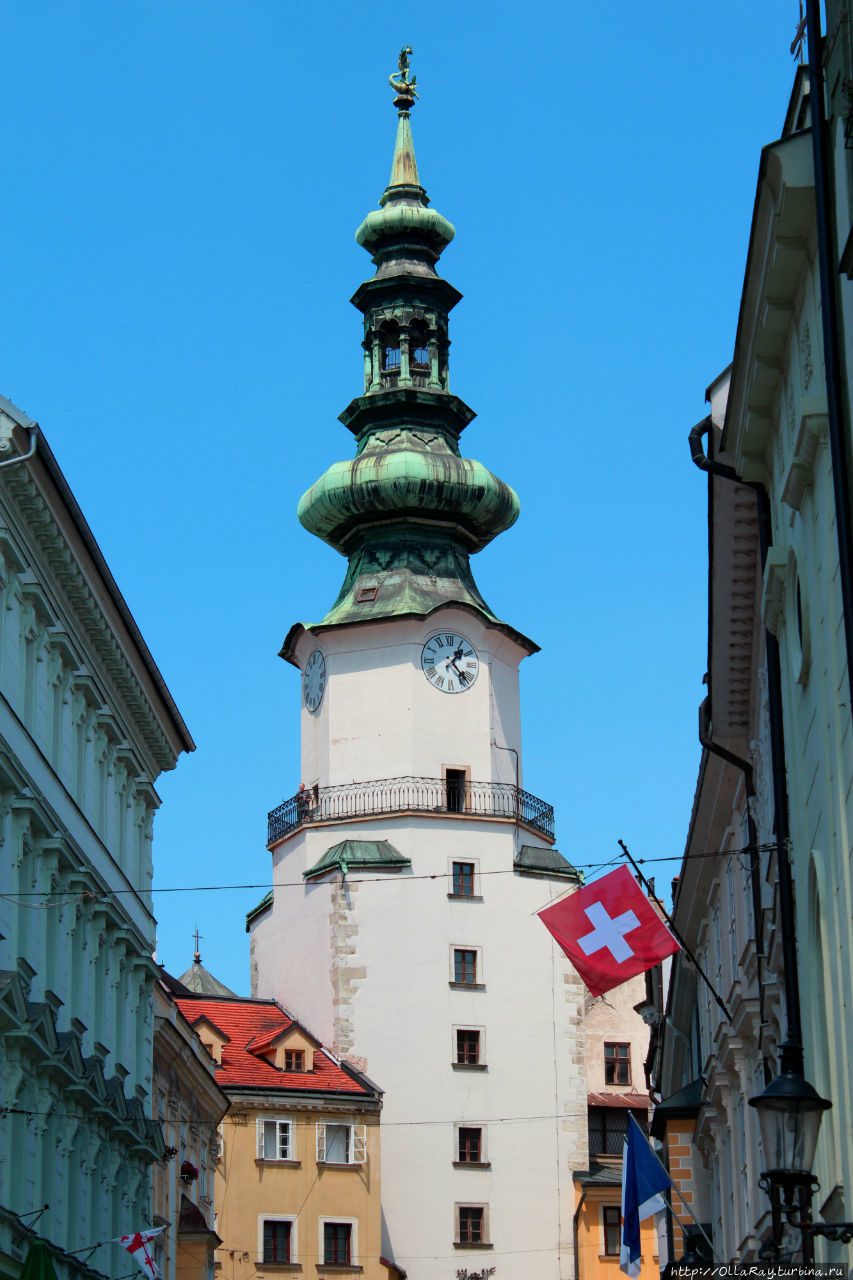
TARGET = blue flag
x,y
643,1181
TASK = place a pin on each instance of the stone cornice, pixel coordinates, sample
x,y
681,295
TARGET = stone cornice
x,y
73,587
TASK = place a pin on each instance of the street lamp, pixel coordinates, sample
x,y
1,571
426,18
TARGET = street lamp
x,y
790,1111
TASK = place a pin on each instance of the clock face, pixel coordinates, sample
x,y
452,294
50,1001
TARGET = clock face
x,y
450,662
314,680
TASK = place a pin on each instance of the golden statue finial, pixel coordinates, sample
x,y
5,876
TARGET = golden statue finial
x,y
404,88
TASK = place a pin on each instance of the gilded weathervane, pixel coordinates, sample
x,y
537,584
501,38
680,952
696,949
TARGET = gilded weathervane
x,y
399,81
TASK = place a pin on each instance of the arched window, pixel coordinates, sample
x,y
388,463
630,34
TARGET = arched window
x,y
390,339
418,348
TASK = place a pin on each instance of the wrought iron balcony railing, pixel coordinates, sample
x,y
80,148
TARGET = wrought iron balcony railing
x,y
404,795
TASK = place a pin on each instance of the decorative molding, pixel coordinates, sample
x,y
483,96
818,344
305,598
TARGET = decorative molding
x,y
775,578
79,597
813,428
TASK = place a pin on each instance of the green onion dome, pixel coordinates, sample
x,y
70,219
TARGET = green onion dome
x,y
382,484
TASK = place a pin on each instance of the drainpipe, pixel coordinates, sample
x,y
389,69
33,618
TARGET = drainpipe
x,y
838,443
575,1232
745,767
791,1052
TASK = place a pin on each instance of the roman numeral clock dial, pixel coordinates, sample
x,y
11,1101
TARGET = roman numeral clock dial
x,y
314,680
450,662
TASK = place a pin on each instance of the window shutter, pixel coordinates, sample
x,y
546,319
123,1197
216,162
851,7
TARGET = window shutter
x,y
359,1145
321,1142
260,1139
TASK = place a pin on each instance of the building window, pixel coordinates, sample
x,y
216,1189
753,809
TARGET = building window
x,y
455,780
612,1223
471,1224
617,1064
465,967
418,347
294,1060
608,1129
341,1144
470,1146
277,1241
275,1140
468,1047
337,1243
463,879
390,340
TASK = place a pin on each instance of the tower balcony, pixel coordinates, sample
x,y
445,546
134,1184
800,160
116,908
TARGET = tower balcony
x,y
382,796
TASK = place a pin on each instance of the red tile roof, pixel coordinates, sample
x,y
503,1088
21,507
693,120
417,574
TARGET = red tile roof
x,y
259,1023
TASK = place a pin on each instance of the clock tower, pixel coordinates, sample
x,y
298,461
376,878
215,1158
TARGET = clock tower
x,y
409,865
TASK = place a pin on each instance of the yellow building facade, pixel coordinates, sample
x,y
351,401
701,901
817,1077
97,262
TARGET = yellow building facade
x,y
297,1182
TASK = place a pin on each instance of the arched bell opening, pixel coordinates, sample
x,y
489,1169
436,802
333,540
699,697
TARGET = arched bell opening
x,y
390,354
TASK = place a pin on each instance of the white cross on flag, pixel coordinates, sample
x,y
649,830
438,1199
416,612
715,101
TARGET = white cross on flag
x,y
610,931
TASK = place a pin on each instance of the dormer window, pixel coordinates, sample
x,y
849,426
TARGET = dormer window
x,y
294,1060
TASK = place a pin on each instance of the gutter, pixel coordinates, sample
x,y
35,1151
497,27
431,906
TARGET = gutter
x,y
791,1051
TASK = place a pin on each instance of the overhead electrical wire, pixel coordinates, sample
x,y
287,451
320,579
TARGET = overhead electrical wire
x,y
91,894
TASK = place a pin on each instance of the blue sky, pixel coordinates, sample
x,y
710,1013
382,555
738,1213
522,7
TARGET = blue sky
x,y
182,182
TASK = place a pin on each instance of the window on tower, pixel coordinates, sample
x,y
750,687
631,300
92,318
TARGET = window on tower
x,y
472,1224
465,967
463,879
455,785
390,347
467,1047
418,350
470,1148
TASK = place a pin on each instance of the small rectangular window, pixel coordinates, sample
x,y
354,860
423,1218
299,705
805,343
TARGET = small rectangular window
x,y
617,1064
463,879
275,1140
612,1230
465,966
470,1224
277,1241
470,1146
468,1047
337,1243
294,1060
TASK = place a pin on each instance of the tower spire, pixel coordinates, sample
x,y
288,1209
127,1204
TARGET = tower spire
x,y
404,166
408,510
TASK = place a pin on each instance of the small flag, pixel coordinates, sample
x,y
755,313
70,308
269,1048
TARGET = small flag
x,y
644,1179
137,1247
610,931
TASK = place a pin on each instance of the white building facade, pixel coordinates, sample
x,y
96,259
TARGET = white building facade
x,y
409,867
86,726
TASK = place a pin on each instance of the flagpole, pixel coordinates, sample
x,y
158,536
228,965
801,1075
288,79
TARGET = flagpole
x,y
676,933
668,1175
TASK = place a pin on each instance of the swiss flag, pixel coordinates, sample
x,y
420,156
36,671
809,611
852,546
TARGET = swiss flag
x,y
610,931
